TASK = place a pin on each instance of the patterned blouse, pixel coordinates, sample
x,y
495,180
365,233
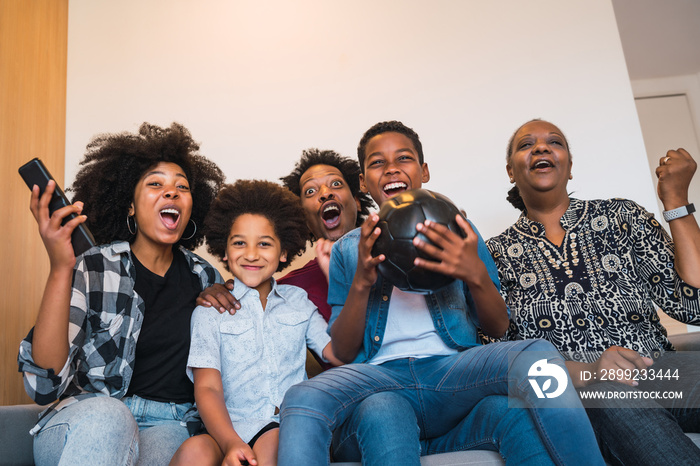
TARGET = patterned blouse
x,y
600,287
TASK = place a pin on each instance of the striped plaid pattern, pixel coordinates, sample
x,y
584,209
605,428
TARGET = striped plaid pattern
x,y
105,321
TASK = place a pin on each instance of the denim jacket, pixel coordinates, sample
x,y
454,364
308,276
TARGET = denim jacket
x,y
452,308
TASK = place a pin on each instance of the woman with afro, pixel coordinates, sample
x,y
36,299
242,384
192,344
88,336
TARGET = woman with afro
x,y
111,339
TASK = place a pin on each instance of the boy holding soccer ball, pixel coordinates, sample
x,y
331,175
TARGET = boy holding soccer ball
x,y
424,349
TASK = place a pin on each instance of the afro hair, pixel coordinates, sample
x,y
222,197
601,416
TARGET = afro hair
x,y
114,164
270,200
347,167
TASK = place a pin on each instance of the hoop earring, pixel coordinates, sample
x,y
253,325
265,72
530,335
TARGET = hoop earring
x,y
128,225
195,231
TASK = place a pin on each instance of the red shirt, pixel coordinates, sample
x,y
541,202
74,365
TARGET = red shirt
x,y
311,279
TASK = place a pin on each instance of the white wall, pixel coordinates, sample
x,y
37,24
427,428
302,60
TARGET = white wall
x,y
668,122
669,114
257,82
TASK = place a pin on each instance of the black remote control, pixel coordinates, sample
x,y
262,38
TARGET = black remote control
x,y
35,172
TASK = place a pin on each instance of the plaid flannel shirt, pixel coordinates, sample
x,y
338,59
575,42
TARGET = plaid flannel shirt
x,y
105,321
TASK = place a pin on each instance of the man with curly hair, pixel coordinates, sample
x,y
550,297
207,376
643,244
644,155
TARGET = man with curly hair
x,y
328,185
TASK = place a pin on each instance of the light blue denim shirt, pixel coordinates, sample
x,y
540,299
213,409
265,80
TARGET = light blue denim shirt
x,y
259,353
452,308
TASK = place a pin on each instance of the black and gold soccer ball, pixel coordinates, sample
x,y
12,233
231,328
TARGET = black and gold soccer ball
x,y
398,217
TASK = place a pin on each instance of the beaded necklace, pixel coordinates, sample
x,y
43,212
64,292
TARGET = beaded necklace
x,y
556,258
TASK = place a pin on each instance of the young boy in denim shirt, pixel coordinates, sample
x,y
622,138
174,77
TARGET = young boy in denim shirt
x,y
243,363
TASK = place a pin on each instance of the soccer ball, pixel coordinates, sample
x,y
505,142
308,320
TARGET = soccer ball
x,y
398,217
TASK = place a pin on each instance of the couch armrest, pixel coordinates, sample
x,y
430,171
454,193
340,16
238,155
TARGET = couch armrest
x,y
15,441
686,341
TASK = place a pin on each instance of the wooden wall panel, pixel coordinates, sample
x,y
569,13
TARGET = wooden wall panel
x,y
33,61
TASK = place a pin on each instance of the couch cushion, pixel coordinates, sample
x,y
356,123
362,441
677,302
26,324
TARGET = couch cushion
x,y
686,341
457,458
15,441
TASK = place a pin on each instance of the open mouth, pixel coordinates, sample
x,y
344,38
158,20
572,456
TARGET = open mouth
x,y
170,218
331,215
394,188
542,164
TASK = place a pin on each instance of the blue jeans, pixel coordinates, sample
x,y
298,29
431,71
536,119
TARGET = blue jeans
x,y
104,431
160,431
624,426
490,425
442,391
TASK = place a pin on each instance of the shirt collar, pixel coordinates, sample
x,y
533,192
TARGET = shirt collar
x,y
119,247
240,289
574,213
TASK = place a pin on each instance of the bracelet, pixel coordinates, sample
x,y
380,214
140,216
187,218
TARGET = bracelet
x,y
679,212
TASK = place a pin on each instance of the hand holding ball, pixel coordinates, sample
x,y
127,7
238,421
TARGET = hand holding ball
x,y
398,217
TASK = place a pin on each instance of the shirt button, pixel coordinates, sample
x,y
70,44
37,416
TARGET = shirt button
x,y
385,298
376,338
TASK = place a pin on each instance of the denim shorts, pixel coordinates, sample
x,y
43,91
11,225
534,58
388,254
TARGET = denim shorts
x,y
149,413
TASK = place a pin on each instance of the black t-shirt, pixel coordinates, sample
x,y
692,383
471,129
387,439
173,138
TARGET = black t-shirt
x,y
164,341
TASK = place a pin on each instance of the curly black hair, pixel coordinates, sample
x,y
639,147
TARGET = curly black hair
x,y
513,195
274,202
114,164
348,167
388,127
